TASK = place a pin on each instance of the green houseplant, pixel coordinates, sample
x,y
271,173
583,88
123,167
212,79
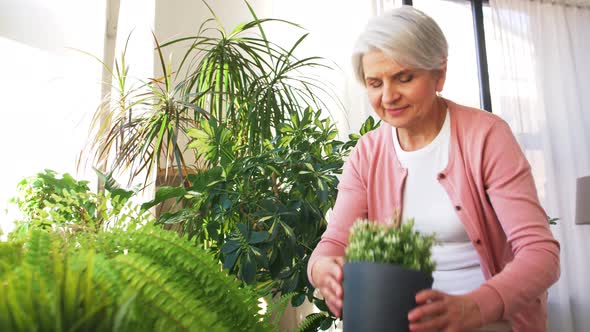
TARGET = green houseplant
x,y
244,80
263,214
78,265
47,200
266,159
386,265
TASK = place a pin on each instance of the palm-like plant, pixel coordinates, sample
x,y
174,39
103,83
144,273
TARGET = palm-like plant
x,y
250,83
142,126
245,81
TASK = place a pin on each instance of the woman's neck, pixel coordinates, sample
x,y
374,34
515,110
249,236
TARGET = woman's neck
x,y
415,138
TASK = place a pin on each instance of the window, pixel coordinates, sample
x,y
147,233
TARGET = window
x,y
455,20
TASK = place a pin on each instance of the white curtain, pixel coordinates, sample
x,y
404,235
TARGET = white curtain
x,y
540,77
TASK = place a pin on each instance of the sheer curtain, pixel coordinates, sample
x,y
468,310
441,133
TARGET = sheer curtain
x,y
540,76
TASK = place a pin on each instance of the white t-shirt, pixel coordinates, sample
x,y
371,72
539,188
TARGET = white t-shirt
x,y
458,269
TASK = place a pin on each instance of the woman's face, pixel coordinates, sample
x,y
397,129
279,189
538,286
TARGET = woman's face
x,y
401,96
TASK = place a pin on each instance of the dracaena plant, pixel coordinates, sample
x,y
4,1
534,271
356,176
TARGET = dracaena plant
x,y
246,81
397,244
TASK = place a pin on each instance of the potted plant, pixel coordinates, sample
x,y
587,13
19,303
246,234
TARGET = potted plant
x,y
267,157
263,214
386,265
246,81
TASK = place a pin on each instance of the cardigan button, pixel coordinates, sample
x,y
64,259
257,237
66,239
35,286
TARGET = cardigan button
x,y
458,207
478,241
441,176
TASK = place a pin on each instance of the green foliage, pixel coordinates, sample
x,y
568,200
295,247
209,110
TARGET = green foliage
x,y
241,78
373,242
367,126
130,276
140,127
49,196
315,321
194,272
133,280
49,200
246,81
263,214
10,253
50,289
275,311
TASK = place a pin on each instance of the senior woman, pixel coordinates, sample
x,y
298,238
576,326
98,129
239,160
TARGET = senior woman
x,y
459,172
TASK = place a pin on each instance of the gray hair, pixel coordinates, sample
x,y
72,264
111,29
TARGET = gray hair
x,y
407,35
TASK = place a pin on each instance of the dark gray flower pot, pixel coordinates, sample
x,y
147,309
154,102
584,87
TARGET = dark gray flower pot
x,y
378,297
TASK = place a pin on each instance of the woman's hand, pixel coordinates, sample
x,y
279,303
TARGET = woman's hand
x,y
438,311
327,277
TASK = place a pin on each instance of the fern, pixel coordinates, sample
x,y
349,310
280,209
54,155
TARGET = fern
x,y
163,283
38,253
161,292
11,254
194,267
52,289
312,322
275,311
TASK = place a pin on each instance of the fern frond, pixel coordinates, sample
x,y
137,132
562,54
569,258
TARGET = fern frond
x,y
201,274
276,309
108,280
14,302
311,322
38,250
180,311
164,283
11,255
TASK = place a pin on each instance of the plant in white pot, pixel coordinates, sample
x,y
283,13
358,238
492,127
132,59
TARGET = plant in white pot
x,y
386,265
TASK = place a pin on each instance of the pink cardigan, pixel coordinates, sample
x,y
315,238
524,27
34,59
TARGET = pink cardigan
x,y
489,181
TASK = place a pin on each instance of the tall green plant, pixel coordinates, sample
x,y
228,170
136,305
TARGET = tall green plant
x,y
262,215
141,127
244,80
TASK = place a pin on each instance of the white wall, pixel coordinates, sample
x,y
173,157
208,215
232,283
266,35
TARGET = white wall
x,y
333,26
181,18
48,90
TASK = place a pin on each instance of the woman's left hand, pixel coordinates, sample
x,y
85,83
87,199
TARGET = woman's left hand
x,y
438,311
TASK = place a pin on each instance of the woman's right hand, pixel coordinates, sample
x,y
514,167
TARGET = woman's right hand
x,y
327,277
